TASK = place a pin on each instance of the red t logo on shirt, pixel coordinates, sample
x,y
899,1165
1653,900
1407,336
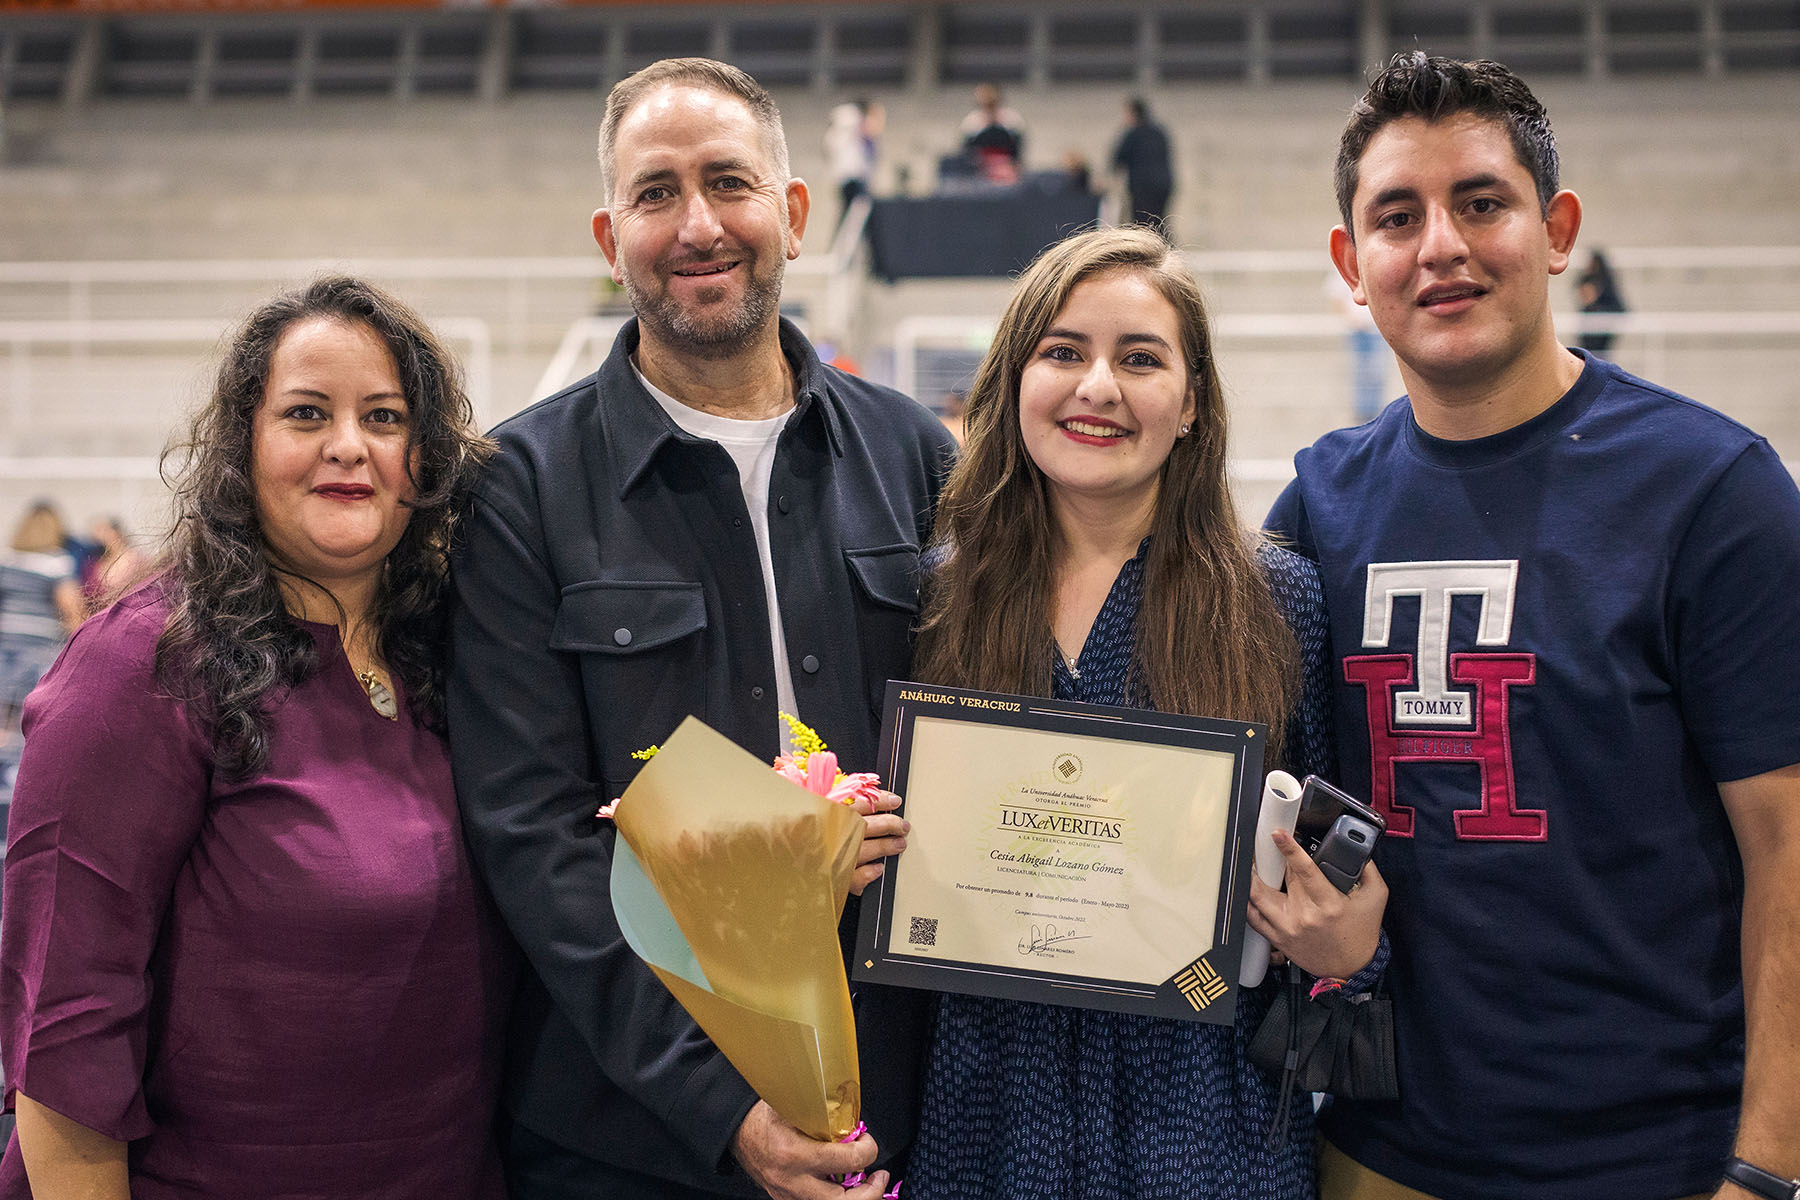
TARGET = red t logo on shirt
x,y
1435,706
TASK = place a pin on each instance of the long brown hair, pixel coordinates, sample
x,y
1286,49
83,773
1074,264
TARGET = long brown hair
x,y
1210,641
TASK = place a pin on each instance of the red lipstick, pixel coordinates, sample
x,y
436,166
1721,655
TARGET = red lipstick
x,y
344,491
1092,439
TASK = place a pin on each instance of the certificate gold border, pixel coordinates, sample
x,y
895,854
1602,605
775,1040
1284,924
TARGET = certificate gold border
x,y
1203,987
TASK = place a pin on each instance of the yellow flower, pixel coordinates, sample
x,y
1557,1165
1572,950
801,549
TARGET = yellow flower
x,y
806,741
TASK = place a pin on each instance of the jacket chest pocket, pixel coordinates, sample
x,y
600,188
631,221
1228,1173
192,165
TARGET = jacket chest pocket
x,y
887,607
643,668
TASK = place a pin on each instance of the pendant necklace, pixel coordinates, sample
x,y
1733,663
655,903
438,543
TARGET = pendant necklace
x,y
1069,660
380,698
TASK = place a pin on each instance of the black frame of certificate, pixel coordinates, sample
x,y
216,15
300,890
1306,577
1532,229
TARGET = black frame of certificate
x,y
1205,990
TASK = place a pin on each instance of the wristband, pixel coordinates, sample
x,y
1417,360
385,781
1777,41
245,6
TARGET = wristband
x,y
1759,1182
1324,984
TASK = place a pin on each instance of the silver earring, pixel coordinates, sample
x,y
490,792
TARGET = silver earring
x,y
1184,428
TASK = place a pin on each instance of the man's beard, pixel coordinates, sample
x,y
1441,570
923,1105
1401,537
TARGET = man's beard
x,y
716,334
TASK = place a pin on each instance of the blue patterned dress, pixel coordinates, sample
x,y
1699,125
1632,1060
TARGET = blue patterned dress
x,y
1071,1104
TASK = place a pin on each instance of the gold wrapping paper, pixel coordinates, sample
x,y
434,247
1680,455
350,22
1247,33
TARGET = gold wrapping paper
x,y
728,881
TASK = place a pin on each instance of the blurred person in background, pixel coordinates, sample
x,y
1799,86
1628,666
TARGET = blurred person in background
x,y
951,412
243,953
1143,157
40,605
1598,291
993,135
117,566
852,144
1079,174
1367,352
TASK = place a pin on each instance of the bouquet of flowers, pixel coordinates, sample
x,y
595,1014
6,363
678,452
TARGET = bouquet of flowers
x,y
728,881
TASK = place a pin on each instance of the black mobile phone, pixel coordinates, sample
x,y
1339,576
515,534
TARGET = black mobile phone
x,y
1337,829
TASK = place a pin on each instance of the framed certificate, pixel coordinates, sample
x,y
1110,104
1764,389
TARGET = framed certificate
x,y
1065,853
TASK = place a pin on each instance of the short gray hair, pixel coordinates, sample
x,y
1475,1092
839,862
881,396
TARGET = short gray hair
x,y
706,73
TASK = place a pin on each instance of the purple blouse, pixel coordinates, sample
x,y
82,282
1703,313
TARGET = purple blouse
x,y
290,985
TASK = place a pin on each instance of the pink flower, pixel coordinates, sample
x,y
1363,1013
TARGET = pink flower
x,y
821,772
818,773
811,766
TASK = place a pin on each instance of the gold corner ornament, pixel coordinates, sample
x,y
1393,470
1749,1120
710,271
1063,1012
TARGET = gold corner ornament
x,y
1199,984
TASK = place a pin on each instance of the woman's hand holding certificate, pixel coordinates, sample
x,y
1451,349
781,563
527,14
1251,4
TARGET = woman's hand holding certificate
x,y
1065,853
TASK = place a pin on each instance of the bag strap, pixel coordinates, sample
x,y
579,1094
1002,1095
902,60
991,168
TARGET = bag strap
x,y
1284,1106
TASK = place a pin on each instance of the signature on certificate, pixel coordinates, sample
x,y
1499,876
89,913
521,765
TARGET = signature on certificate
x,y
1044,937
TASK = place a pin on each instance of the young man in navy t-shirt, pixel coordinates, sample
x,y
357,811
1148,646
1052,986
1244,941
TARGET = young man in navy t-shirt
x,y
1564,605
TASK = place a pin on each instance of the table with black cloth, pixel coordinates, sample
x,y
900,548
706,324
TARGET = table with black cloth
x,y
994,232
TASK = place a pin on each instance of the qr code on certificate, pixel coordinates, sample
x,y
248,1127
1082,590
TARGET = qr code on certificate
x,y
924,931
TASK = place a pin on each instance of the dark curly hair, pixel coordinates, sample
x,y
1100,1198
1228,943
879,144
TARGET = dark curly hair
x,y
229,646
1432,88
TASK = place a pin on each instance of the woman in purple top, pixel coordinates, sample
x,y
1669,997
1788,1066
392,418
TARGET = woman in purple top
x,y
243,954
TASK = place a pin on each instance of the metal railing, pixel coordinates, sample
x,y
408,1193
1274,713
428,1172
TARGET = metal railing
x,y
524,333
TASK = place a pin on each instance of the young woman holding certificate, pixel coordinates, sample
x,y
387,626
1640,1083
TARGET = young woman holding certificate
x,y
1088,549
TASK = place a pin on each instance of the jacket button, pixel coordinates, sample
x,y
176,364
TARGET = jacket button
x,y
783,505
622,636
756,693
810,664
